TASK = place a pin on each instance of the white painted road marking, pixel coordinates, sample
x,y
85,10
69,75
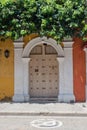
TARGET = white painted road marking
x,y
46,123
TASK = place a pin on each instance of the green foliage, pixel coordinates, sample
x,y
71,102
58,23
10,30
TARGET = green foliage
x,y
51,18
4,1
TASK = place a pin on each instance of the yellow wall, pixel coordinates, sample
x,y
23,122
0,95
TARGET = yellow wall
x,y
6,70
27,38
7,67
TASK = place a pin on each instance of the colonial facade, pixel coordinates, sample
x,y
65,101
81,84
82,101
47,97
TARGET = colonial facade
x,y
37,68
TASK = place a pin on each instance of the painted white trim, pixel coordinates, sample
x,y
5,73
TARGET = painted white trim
x,y
39,40
26,78
61,76
68,44
18,72
66,74
18,45
68,93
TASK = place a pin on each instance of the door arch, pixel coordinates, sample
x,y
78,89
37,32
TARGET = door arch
x,y
27,60
38,41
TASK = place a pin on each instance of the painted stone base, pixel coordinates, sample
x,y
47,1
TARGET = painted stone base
x,y
68,98
21,98
18,98
26,98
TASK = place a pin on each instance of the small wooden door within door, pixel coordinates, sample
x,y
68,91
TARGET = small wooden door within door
x,y
43,76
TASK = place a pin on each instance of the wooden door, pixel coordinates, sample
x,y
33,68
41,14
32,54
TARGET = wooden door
x,y
43,76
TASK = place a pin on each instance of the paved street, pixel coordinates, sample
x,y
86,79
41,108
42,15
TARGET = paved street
x,y
47,123
35,116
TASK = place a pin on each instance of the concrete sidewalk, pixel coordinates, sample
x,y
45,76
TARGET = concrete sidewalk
x,y
49,109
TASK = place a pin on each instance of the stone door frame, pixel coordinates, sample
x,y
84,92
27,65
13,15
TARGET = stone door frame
x,y
21,69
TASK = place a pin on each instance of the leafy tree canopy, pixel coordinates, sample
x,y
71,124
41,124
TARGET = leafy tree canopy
x,y
52,18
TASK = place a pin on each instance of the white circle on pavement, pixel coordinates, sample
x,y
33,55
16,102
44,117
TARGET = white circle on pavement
x,y
46,123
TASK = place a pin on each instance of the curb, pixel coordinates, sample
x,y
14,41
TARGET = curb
x,y
42,114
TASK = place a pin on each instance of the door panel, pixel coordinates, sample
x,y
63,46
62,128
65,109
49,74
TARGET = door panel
x,y
43,76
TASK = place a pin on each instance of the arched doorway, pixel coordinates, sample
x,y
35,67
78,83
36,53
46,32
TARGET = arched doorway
x,y
50,51
45,82
43,76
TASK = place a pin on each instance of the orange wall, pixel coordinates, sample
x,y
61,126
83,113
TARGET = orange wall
x,y
79,68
